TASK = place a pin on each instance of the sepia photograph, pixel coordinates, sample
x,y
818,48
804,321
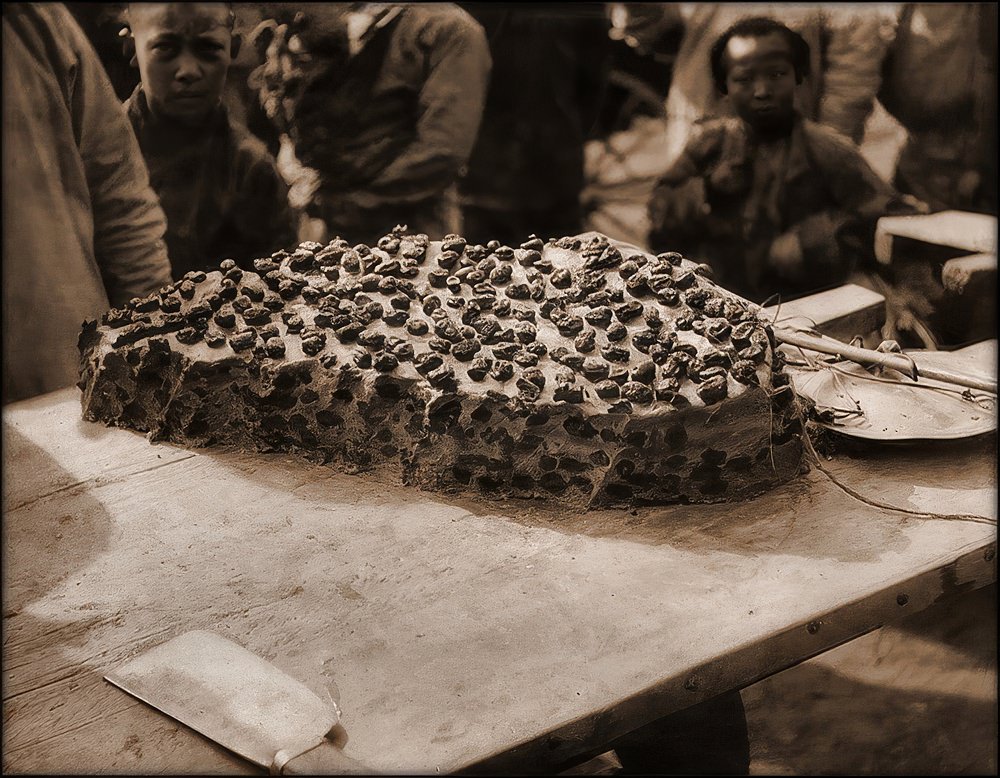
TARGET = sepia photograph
x,y
499,388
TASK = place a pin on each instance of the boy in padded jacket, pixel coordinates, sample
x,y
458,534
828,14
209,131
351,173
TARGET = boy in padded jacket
x,y
217,183
774,203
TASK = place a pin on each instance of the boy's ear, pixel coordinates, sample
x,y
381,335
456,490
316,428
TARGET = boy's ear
x,y
234,47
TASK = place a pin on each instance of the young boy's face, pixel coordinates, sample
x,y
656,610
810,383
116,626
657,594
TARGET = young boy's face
x,y
761,80
184,51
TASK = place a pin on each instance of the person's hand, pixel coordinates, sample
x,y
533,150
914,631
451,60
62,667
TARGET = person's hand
x,y
957,273
678,206
786,255
302,181
906,315
918,205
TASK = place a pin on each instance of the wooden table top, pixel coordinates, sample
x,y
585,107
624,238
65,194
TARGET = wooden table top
x,y
455,633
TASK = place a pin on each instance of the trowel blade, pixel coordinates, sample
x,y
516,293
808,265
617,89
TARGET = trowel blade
x,y
229,695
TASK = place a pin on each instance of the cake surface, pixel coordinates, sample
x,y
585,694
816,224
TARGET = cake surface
x,y
582,369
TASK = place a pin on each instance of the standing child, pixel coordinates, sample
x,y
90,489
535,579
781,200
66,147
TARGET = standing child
x,y
218,186
378,106
774,203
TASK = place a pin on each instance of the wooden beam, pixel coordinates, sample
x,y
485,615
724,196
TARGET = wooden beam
x,y
957,229
840,313
752,663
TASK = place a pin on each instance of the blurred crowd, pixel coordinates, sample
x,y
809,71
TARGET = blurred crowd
x,y
144,142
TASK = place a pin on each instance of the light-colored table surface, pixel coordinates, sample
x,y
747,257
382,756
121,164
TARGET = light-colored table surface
x,y
452,632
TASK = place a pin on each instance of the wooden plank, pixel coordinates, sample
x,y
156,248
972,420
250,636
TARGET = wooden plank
x,y
943,489
973,232
982,354
76,456
449,629
746,665
841,313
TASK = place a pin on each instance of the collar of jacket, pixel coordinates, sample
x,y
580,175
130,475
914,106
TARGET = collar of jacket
x,y
379,15
798,163
146,123
740,147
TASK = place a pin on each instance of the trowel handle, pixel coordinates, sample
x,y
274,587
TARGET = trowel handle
x,y
325,759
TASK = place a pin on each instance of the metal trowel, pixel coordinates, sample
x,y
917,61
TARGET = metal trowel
x,y
245,704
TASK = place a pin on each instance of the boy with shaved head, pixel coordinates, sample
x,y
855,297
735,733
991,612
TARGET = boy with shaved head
x,y
775,203
218,185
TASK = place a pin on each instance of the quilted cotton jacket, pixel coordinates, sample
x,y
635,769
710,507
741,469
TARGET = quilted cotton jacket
x,y
387,130
219,187
718,206
81,226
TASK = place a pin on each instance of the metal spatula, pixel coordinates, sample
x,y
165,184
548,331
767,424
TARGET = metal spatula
x,y
240,701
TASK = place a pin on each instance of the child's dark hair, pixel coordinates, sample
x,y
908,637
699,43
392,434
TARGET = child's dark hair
x,y
229,8
758,27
